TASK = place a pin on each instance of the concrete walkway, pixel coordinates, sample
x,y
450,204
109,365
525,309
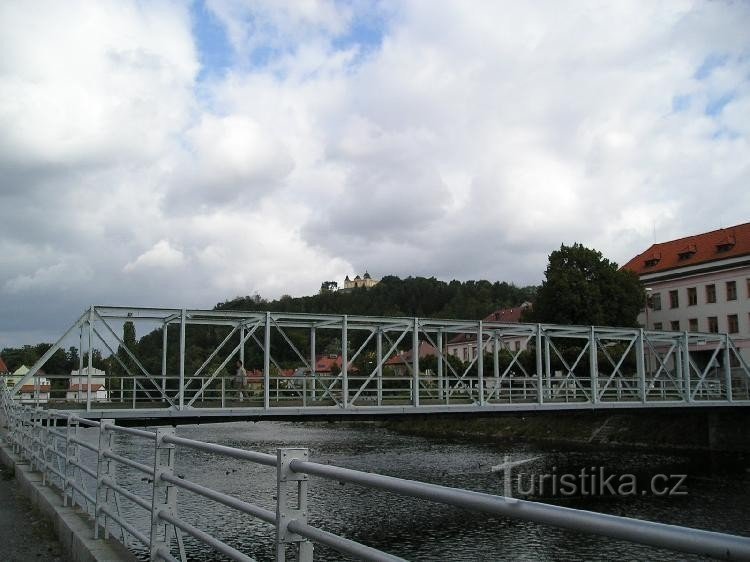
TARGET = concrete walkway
x,y
25,535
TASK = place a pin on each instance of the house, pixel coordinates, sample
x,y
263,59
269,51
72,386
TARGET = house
x,y
365,281
403,360
4,373
35,390
464,346
78,386
699,283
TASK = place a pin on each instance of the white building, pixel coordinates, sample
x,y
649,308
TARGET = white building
x,y
78,387
699,284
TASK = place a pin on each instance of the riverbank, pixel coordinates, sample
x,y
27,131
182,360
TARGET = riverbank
x,y
722,430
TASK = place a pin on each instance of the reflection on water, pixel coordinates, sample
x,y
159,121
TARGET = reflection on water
x,y
717,499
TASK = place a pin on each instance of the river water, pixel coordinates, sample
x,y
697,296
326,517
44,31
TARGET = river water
x,y
717,492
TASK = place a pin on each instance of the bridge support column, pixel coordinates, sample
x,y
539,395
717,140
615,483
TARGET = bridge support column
x,y
539,365
727,368
90,351
312,360
345,362
164,340
480,362
415,363
267,363
379,363
441,359
496,369
640,365
593,366
183,322
547,367
686,367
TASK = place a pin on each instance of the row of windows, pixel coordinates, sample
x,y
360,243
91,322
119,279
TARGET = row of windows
x,y
468,353
711,325
730,292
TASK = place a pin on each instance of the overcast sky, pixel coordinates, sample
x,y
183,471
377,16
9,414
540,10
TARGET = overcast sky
x,y
179,154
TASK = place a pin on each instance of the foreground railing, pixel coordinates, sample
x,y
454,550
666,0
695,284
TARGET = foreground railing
x,y
55,451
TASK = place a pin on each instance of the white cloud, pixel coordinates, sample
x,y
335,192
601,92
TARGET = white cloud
x,y
468,141
162,255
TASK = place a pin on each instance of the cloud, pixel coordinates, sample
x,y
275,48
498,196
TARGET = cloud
x,y
162,255
445,139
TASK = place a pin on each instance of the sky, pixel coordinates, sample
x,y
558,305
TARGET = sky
x,y
179,154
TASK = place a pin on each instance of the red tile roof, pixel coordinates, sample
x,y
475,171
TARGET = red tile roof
x,y
703,248
3,366
509,315
83,387
30,389
425,349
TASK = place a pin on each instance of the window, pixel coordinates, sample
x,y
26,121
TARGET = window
x,y
674,299
748,288
733,325
693,324
731,290
466,353
657,325
517,345
674,325
710,293
692,296
713,324
656,301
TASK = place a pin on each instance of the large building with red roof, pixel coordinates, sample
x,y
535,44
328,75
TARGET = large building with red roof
x,y
699,283
464,346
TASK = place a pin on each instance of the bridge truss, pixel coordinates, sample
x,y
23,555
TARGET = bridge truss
x,y
378,365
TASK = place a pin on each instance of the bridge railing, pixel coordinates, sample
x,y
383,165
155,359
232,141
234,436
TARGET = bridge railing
x,y
82,467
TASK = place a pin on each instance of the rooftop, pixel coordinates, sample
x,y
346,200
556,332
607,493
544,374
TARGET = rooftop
x,y
699,249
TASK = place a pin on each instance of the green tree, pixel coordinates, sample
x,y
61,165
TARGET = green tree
x,y
582,287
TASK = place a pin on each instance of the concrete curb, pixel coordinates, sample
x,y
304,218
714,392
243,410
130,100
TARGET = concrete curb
x,y
73,527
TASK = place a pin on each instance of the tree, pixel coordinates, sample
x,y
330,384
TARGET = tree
x,y
582,287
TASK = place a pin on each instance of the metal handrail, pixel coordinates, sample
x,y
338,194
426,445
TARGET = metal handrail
x,y
31,437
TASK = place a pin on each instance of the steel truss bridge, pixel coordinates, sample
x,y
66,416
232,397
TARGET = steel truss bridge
x,y
521,367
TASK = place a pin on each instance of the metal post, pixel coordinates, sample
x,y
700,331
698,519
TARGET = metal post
x,y
686,366
548,366
379,364
242,344
640,365
90,357
77,396
104,469
313,360
267,362
727,368
163,495
480,362
345,362
415,362
183,321
593,366
539,365
71,456
122,389
164,356
441,359
290,483
496,367
133,397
